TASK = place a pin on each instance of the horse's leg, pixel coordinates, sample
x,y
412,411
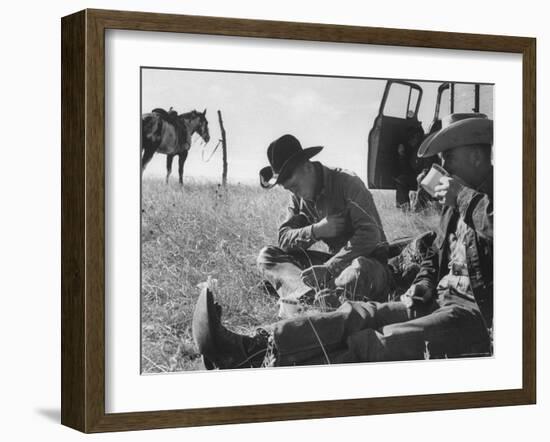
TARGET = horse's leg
x,y
148,153
169,158
182,157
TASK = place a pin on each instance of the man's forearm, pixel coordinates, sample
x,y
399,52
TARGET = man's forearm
x,y
428,274
296,238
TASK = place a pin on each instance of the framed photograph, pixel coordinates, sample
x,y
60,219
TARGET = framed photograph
x,y
267,220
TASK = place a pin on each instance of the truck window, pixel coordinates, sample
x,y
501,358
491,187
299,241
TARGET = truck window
x,y
464,98
445,104
486,99
401,101
413,103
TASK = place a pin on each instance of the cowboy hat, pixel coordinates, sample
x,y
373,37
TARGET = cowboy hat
x,y
284,154
458,130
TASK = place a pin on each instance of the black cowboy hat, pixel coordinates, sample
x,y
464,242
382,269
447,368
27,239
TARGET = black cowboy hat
x,y
284,154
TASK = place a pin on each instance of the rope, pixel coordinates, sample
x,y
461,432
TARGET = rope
x,y
213,152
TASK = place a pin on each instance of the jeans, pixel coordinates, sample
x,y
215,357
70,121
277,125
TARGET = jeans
x,y
370,331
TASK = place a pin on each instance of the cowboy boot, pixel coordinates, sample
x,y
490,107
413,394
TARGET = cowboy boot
x,y
220,347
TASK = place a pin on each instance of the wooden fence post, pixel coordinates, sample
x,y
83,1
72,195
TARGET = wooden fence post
x,y
224,150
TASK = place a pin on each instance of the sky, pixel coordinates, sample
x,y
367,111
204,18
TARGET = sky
x,y
256,108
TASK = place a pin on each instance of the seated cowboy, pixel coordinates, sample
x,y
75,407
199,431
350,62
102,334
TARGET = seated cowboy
x,y
330,205
449,305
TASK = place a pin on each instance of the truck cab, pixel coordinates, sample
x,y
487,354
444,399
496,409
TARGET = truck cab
x,y
397,131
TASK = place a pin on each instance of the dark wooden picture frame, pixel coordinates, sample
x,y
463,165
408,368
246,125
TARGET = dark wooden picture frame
x,y
83,220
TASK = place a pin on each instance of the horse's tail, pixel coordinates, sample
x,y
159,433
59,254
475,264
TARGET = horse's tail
x,y
151,130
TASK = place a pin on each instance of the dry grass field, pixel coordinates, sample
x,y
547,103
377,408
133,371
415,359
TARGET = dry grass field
x,y
201,231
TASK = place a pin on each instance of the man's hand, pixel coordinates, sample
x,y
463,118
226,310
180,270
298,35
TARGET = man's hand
x,y
330,226
447,190
416,293
316,277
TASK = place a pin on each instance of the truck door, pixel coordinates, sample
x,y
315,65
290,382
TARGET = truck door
x,y
397,117
443,107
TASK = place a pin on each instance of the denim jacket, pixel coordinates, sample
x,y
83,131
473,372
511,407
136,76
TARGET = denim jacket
x,y
475,206
339,192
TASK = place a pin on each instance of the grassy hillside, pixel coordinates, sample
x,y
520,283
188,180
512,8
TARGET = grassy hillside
x,y
202,230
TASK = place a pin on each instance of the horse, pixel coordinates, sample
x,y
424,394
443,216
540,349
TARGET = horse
x,y
170,134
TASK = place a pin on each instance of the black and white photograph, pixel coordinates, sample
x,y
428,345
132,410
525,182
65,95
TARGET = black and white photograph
x,y
250,221
295,220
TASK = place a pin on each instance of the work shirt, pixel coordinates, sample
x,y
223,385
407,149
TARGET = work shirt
x,y
462,253
457,278
338,192
457,248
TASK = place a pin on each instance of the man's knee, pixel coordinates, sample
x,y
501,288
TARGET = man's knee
x,y
365,278
351,276
464,332
467,319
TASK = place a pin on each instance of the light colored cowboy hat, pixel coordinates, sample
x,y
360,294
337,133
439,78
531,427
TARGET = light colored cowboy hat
x,y
284,154
458,130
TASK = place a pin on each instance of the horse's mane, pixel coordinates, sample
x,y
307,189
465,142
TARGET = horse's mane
x,y
185,116
188,115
